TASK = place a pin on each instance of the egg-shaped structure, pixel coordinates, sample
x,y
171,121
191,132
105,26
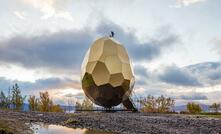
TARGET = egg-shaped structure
x,y
107,76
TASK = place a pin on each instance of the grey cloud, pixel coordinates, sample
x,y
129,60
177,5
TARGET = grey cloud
x,y
78,95
207,72
215,75
41,84
201,74
140,51
178,76
149,91
193,97
58,50
141,71
65,49
141,82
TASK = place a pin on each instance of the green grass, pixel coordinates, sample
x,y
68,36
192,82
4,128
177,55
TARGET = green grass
x,y
208,114
213,116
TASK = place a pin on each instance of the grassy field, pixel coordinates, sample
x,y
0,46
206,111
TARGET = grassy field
x,y
213,116
206,114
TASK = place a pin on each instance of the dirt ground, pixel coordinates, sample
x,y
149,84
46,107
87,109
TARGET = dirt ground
x,y
119,122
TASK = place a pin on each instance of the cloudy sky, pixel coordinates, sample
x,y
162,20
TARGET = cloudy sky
x,y
174,45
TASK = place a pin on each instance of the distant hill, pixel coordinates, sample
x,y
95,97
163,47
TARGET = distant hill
x,y
175,108
183,108
66,108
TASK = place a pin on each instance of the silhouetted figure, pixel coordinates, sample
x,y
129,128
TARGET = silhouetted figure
x,y
112,34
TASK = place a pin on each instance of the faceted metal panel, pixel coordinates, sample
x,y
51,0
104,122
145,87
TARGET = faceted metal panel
x,y
122,54
113,63
126,71
116,79
100,74
107,77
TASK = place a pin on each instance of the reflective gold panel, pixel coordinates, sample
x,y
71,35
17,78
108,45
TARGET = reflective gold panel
x,y
106,74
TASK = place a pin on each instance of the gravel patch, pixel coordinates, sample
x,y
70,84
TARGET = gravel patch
x,y
124,122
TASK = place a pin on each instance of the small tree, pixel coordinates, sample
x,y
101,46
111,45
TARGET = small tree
x,y
160,104
87,104
33,103
17,98
194,108
164,104
46,104
78,105
56,108
215,107
3,100
149,104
